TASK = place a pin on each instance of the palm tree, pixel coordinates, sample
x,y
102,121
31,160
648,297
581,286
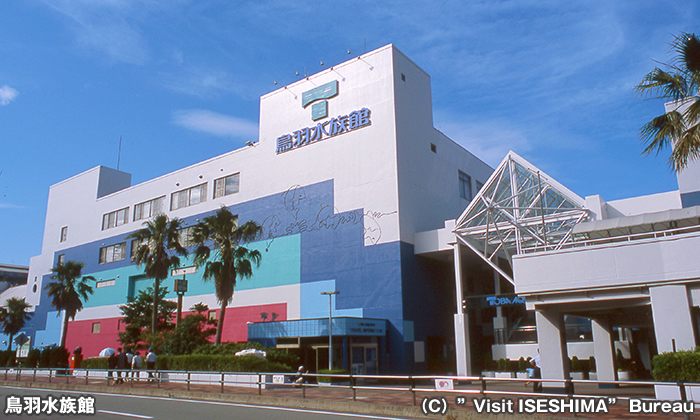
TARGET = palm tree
x,y
68,291
231,258
13,317
678,128
155,242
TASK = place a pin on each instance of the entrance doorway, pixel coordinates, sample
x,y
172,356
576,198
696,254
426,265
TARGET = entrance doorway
x,y
363,359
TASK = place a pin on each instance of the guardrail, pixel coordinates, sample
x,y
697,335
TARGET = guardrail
x,y
411,385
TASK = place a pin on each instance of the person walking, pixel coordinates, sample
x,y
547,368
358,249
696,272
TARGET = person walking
x,y
129,357
121,365
136,366
151,364
111,365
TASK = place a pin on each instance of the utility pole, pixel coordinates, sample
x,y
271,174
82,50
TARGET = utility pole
x,y
330,327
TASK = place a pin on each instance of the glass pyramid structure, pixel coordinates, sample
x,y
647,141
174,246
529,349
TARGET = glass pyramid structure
x,y
519,209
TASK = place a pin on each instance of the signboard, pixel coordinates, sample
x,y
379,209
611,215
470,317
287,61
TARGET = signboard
x,y
504,300
444,383
327,129
184,270
277,379
23,349
181,285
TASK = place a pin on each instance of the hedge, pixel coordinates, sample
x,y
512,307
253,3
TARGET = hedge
x,y
219,363
679,366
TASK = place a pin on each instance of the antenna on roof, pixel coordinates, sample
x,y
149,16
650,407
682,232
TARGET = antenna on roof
x,y
119,155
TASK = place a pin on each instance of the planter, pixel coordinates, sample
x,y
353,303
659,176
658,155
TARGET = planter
x,y
593,376
624,375
505,375
672,392
488,373
521,375
577,376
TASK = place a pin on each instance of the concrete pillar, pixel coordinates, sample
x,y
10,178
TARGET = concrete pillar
x,y
604,350
462,349
551,339
672,318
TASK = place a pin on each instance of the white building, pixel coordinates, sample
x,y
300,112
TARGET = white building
x,y
629,266
347,167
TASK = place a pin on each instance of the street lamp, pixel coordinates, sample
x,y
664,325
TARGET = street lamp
x,y
330,327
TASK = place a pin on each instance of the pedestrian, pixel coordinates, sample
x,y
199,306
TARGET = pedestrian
x,y
298,379
537,372
151,363
121,365
129,357
111,365
136,366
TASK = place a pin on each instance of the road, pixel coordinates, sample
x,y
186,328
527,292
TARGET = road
x,y
123,407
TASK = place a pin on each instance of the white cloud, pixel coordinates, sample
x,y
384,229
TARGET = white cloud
x,y
215,123
7,95
490,141
11,206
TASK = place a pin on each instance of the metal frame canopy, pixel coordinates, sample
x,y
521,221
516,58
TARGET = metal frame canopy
x,y
519,209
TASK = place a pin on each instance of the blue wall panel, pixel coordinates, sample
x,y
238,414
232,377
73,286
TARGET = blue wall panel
x,y
305,241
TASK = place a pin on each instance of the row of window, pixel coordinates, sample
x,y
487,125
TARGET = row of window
x,y
117,252
184,198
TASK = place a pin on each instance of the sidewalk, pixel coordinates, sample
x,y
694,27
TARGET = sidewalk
x,y
367,401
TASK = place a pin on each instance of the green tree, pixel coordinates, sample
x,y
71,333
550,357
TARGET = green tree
x,y
138,315
193,331
231,258
678,82
13,316
68,291
155,242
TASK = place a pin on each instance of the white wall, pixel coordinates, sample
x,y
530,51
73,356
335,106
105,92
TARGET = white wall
x,y
618,264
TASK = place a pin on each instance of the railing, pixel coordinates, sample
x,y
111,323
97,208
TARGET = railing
x,y
580,239
407,385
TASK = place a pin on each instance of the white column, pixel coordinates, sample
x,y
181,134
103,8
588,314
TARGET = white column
x,y
604,350
672,318
551,340
462,349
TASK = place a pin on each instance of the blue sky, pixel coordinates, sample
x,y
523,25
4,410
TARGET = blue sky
x,y
180,82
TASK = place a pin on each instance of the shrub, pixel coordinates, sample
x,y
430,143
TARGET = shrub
x,y
32,358
7,358
522,364
327,379
219,363
53,356
591,364
679,366
94,363
576,365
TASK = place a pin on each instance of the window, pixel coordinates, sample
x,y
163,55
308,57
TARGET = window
x,y
479,186
95,327
189,197
186,236
226,186
465,186
135,244
148,209
105,283
115,218
112,253
64,233
61,259
433,148
403,77
211,316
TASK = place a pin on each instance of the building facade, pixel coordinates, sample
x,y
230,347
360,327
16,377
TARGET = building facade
x,y
347,168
